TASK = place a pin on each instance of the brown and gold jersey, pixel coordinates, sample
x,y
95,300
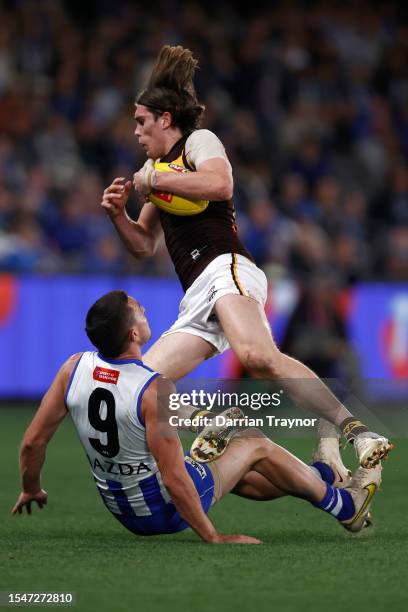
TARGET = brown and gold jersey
x,y
194,241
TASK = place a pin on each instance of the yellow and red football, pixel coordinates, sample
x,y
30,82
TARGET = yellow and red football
x,y
174,204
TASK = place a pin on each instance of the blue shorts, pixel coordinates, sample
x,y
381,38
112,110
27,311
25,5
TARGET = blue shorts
x,y
165,518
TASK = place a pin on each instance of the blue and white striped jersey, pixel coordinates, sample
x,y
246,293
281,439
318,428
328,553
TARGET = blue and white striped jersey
x,y
104,398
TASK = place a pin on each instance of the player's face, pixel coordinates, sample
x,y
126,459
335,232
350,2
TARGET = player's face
x,y
142,323
149,132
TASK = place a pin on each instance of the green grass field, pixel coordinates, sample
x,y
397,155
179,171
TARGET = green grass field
x,y
307,561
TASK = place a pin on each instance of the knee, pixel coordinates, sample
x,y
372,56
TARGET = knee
x,y
261,364
263,449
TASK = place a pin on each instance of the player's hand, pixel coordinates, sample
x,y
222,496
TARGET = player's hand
x,y
144,180
25,500
115,197
234,539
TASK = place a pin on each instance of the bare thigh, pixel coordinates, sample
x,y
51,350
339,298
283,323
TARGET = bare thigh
x,y
177,354
284,471
244,323
233,465
247,330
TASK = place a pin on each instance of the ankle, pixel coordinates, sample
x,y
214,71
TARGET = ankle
x,y
351,428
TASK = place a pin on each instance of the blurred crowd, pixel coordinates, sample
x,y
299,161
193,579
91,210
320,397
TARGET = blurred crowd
x,y
310,101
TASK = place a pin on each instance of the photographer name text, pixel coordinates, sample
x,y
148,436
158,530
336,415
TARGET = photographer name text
x,y
221,421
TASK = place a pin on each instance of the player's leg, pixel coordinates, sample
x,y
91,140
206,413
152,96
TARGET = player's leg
x,y
282,469
326,459
177,354
256,487
291,476
327,463
255,348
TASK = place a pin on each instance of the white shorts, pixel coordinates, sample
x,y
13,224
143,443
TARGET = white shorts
x,y
226,274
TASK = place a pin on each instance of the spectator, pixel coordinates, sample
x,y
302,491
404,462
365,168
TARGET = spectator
x,y
310,102
316,333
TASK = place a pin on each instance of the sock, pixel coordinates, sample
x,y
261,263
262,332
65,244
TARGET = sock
x,y
337,502
351,428
324,471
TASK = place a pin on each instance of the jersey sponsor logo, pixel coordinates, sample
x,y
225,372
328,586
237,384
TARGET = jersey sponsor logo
x,y
118,469
106,375
177,168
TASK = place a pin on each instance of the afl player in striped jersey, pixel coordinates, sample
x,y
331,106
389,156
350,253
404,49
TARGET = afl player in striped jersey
x,y
135,455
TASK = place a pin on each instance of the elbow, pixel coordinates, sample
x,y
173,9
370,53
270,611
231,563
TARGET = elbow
x,y
145,246
168,482
227,194
172,482
144,253
148,251
225,189
32,444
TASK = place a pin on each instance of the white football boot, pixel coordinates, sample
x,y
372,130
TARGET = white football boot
x,y
213,440
328,451
371,448
364,484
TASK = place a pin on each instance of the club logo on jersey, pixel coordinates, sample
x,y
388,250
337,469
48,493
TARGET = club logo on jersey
x,y
178,168
106,375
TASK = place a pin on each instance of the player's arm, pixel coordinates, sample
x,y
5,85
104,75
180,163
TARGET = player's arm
x,y
140,237
211,181
48,417
165,446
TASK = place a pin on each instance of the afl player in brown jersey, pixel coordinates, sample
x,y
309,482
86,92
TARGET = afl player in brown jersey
x,y
225,292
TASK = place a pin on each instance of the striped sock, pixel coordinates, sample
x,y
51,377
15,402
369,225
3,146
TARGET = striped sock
x,y
324,471
337,502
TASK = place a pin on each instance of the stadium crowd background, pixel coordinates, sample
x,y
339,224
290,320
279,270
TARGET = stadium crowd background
x,y
310,101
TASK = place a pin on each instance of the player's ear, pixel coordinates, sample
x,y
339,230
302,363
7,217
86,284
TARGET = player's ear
x,y
133,335
165,120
